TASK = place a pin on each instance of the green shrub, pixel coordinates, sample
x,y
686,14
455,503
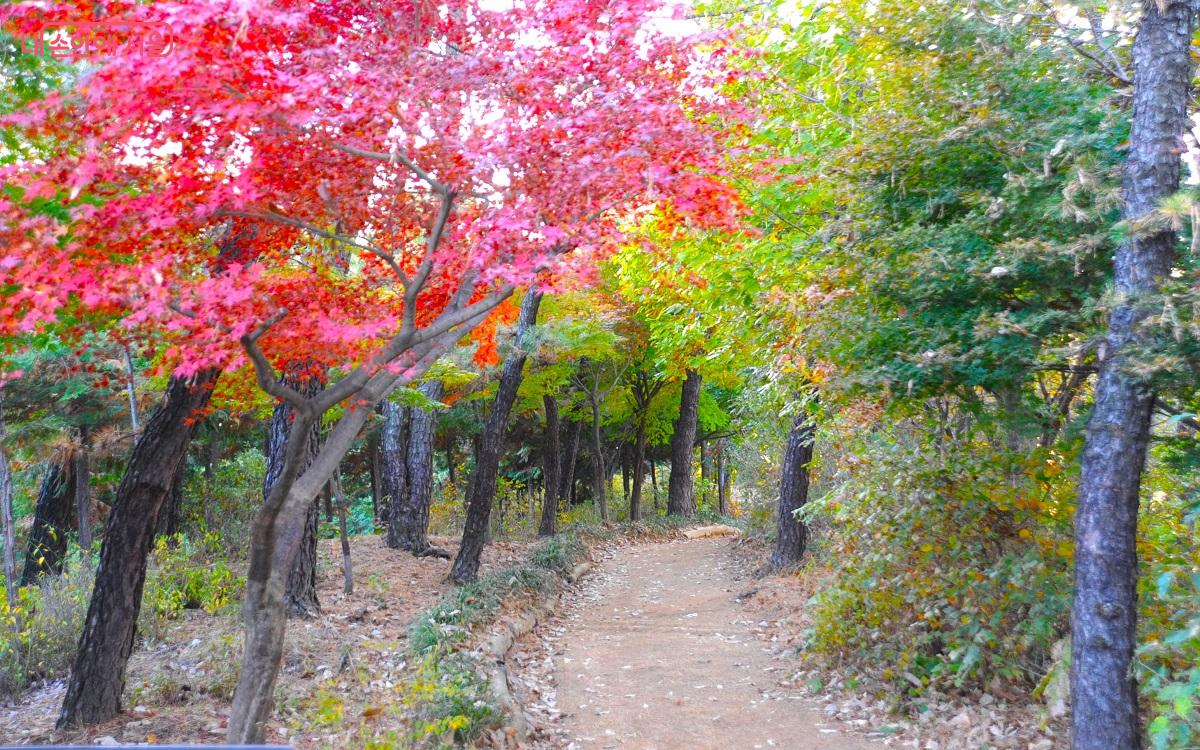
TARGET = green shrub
x,y
186,575
40,634
360,520
449,701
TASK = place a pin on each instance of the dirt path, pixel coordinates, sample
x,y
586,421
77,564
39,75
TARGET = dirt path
x,y
656,652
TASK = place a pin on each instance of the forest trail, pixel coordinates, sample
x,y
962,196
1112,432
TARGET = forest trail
x,y
655,652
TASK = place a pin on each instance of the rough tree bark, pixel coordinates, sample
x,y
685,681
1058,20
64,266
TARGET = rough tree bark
x,y
1104,712
301,596
53,517
793,492
482,486
393,465
376,478
681,498
552,466
408,515
98,677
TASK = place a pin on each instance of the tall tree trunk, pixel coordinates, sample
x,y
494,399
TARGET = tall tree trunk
x,y
408,519
83,493
482,487
599,473
681,498
131,389
566,482
552,466
7,523
98,677
705,471
393,466
1104,712
625,472
52,520
301,595
793,492
450,464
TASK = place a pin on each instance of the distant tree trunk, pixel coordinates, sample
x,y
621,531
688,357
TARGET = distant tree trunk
x,y
83,493
52,520
327,503
722,485
552,467
570,458
393,465
599,475
1104,713
301,596
170,518
7,522
625,472
376,478
131,389
482,487
98,677
705,471
450,464
793,492
639,472
408,519
654,484
334,490
681,498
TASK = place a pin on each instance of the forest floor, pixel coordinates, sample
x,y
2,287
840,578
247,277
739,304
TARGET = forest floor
x,y
657,650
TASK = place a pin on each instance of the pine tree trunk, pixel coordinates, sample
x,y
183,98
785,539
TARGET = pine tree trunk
x,y
681,498
98,677
393,466
376,479
52,520
1104,713
552,463
639,471
792,538
301,594
481,489
408,519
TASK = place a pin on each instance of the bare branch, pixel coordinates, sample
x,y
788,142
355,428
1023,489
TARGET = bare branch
x,y
393,158
268,381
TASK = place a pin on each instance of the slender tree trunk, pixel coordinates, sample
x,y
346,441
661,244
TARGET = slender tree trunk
x,y
639,470
625,472
98,677
376,478
83,493
301,595
450,464
722,487
327,502
481,489
681,498
52,520
793,492
131,389
335,490
408,519
1104,712
7,522
599,474
552,464
705,471
570,459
